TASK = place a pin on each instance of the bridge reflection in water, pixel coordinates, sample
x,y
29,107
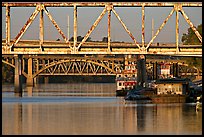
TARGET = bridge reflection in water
x,y
49,113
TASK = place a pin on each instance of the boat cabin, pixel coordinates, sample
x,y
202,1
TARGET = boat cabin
x,y
126,83
172,86
165,70
128,78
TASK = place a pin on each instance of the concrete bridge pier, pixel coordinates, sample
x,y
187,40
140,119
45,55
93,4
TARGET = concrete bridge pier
x,y
36,81
29,81
155,71
141,71
46,79
175,70
18,75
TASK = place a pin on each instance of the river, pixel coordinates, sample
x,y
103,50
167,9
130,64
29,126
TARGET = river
x,y
91,109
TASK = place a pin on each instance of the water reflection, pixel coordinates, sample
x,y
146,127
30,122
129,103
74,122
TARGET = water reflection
x,y
70,89
29,91
18,94
104,117
13,127
140,118
84,110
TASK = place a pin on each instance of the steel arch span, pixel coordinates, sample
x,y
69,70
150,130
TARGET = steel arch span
x,y
78,67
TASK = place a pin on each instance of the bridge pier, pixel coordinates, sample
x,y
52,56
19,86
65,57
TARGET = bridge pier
x,y
46,79
175,70
30,71
155,71
36,81
141,71
18,75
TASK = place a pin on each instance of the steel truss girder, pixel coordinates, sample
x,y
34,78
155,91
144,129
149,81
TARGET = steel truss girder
x,y
109,6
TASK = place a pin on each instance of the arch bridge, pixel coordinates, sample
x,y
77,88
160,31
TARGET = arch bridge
x,y
88,65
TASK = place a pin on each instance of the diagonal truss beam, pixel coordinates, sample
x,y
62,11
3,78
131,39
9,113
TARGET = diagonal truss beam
x,y
25,27
177,8
92,27
191,25
160,28
38,9
56,26
123,24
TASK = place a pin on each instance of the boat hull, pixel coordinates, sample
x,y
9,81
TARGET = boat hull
x,y
166,98
121,92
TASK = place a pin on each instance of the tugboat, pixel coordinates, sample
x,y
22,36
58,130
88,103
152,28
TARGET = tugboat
x,y
127,79
167,89
170,89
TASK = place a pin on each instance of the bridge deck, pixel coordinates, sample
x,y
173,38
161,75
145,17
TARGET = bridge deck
x,y
61,47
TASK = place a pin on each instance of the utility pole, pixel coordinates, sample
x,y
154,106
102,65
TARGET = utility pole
x,y
68,27
152,27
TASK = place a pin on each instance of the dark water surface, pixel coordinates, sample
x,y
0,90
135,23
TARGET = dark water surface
x,y
65,109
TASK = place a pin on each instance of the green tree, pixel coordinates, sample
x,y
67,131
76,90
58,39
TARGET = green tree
x,y
80,38
7,73
190,37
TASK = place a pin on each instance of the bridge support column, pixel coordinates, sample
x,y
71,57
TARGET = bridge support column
x,y
155,74
36,81
30,71
175,70
18,75
46,79
141,71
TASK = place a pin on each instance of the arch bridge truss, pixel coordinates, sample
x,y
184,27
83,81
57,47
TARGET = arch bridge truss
x,y
100,65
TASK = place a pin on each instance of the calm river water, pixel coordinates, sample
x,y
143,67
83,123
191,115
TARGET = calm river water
x,y
91,109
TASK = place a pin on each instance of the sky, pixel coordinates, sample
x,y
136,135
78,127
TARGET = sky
x,y
131,16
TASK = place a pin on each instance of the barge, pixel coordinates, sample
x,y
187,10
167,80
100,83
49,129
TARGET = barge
x,y
169,90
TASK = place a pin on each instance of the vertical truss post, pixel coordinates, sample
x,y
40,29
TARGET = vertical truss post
x,y
109,8
41,28
75,28
177,7
143,27
8,26
177,31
